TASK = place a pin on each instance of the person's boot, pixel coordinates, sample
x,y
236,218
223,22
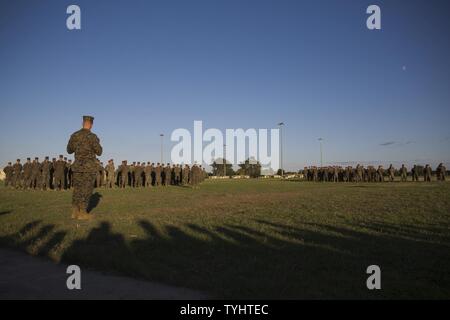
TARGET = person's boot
x,y
75,212
83,215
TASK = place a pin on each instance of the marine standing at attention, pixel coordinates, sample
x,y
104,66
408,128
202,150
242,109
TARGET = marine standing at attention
x,y
86,147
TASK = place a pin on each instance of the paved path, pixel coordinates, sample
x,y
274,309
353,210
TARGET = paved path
x,y
26,277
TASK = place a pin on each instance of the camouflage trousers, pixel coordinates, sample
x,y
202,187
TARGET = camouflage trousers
x,y
83,187
123,181
59,182
8,181
45,180
26,182
17,182
110,180
148,180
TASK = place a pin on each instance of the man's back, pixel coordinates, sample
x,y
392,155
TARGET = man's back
x,y
86,147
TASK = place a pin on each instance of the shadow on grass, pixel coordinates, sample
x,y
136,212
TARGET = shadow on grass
x,y
33,234
266,259
3,213
94,200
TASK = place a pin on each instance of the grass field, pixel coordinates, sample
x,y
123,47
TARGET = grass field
x,y
251,238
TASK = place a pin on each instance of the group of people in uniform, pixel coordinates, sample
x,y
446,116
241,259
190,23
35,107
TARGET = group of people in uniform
x,y
372,174
87,172
140,175
55,174
58,174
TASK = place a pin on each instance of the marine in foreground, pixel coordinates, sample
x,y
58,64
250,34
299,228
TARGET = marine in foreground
x,y
86,146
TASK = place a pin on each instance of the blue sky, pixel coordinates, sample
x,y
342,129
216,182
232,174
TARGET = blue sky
x,y
146,67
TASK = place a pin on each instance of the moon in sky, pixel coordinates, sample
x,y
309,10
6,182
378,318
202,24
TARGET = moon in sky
x,y
404,68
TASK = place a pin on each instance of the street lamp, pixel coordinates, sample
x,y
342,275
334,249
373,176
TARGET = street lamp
x,y
162,137
321,158
280,125
224,160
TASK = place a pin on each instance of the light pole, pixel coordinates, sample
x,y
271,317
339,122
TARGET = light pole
x,y
280,125
321,159
224,160
162,137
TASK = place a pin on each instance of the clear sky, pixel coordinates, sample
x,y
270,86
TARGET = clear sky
x,y
146,67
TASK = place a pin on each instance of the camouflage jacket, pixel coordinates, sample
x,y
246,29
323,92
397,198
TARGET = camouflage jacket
x,y
110,169
46,166
59,167
8,170
123,169
17,169
27,169
35,168
86,147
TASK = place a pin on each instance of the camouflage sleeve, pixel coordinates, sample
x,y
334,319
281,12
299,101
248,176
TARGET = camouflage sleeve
x,y
70,146
96,145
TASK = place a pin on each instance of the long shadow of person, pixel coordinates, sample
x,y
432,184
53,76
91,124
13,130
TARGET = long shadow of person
x,y
94,201
102,249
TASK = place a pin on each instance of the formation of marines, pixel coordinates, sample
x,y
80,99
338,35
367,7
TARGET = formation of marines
x,y
87,172
57,174
146,175
372,174
54,174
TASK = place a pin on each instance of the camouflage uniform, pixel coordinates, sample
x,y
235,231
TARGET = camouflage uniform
x,y
177,174
403,173
27,174
138,175
167,174
148,174
158,171
123,171
45,174
17,174
110,174
441,172
69,174
193,178
427,173
131,169
52,173
305,173
359,173
36,174
335,174
86,147
185,175
380,174
391,172
415,173
98,173
59,174
8,170
325,174
315,174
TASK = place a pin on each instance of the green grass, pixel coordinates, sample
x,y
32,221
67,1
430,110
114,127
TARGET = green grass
x,y
250,238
